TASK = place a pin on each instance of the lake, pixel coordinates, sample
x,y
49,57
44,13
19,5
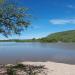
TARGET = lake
x,y
11,52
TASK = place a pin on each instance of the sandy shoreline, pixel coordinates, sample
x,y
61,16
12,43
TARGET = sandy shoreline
x,y
54,68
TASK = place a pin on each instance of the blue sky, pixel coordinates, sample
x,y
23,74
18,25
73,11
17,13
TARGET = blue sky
x,y
49,16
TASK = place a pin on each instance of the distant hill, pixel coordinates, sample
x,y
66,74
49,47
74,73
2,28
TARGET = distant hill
x,y
65,36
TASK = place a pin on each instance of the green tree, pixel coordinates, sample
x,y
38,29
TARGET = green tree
x,y
1,1
13,19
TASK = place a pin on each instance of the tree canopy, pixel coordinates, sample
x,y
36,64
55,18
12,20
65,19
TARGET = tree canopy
x,y
13,19
1,1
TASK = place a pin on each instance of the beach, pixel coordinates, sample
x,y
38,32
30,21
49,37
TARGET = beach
x,y
54,68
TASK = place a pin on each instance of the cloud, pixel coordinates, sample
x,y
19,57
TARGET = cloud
x,y
71,6
62,21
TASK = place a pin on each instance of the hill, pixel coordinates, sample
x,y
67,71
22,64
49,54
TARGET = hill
x,y
65,36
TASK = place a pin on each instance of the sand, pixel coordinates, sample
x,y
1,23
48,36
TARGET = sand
x,y
54,68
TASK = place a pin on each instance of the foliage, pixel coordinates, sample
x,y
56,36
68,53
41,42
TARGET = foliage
x,y
11,71
29,69
65,36
1,1
13,19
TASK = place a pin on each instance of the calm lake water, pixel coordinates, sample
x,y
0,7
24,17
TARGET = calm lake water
x,y
58,52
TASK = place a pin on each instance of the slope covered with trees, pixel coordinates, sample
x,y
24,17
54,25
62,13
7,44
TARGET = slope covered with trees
x,y
65,36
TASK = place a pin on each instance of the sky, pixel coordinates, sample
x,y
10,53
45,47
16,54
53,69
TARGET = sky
x,y
48,16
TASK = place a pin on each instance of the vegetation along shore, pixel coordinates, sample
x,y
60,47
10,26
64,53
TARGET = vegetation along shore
x,y
65,36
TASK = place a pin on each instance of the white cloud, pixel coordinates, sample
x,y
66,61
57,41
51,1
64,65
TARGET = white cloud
x,y
62,21
71,6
